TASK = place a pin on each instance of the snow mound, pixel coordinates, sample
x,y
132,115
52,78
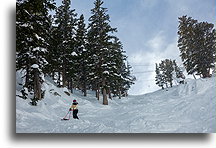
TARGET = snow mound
x,y
187,108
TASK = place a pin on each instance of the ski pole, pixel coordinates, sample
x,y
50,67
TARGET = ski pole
x,y
69,115
66,114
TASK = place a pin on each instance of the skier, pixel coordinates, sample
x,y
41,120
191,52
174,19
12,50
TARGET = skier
x,y
74,109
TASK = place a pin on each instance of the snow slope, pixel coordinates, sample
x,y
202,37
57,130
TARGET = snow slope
x,y
188,108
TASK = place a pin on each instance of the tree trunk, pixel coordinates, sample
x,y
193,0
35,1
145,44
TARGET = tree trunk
x,y
194,76
71,85
214,71
27,78
64,76
37,85
59,79
206,73
109,93
126,94
96,95
105,101
84,89
53,75
97,92
119,92
84,79
166,85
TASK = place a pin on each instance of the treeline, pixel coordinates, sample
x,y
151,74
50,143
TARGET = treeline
x,y
166,72
196,42
75,55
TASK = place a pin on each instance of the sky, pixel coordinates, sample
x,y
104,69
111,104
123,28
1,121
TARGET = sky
x,y
148,31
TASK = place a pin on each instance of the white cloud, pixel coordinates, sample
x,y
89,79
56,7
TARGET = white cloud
x,y
143,62
157,42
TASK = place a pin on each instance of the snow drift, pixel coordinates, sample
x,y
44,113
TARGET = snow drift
x,y
187,108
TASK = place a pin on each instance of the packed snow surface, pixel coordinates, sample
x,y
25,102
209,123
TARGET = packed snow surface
x,y
187,108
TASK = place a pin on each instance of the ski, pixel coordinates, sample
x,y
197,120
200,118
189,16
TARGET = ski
x,y
64,119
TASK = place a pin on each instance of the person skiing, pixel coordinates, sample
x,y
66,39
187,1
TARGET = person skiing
x,y
74,108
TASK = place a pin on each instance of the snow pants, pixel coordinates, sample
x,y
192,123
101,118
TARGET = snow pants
x,y
75,112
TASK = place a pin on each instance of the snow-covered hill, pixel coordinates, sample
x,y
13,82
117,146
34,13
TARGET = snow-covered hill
x,y
188,108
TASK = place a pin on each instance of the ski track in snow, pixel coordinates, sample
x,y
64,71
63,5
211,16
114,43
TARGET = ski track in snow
x,y
188,108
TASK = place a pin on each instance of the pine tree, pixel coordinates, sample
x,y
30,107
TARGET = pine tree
x,y
52,56
197,45
99,42
117,59
178,75
120,75
169,70
164,73
24,40
82,55
32,26
65,23
186,41
159,77
163,70
205,42
127,78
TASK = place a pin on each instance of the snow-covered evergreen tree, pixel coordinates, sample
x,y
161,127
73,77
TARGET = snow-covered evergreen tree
x,y
107,68
159,77
120,70
53,54
178,74
117,59
81,63
185,41
166,72
65,22
99,36
32,26
205,43
197,45
127,78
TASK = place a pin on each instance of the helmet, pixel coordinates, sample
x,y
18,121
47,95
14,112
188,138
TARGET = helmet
x,y
74,100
